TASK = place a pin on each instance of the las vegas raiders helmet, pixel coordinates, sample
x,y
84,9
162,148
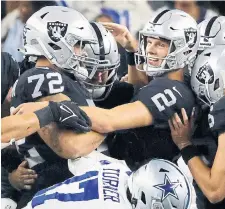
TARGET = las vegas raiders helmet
x,y
101,78
212,32
180,30
208,75
53,32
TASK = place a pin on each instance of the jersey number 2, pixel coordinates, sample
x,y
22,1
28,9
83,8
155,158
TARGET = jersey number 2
x,y
168,101
40,79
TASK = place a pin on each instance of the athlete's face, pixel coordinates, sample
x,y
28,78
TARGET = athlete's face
x,y
156,49
100,78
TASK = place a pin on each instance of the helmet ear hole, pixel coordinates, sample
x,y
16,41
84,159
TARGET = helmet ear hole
x,y
207,54
217,84
143,199
54,46
173,47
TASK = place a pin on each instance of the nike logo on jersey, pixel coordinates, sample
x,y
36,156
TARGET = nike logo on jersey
x,y
174,88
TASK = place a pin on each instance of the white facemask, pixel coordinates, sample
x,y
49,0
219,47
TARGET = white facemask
x,y
98,92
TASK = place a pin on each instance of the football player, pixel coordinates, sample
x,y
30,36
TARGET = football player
x,y
105,182
106,90
208,78
57,37
159,54
165,59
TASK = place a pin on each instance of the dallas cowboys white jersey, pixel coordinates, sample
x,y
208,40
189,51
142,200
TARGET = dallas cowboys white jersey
x,y
101,184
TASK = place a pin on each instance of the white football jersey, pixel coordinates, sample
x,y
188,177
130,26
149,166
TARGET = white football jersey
x,y
99,182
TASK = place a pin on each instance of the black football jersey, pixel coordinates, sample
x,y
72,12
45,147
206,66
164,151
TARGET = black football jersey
x,y
121,93
37,83
163,97
216,117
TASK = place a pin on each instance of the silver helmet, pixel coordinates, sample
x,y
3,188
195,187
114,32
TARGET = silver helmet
x,y
208,75
105,52
159,184
212,32
53,31
181,32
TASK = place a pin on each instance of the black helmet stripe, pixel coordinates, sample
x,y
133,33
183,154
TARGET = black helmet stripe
x,y
160,15
209,25
100,41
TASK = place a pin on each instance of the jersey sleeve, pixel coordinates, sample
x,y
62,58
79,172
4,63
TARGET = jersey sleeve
x,y
36,83
216,117
161,100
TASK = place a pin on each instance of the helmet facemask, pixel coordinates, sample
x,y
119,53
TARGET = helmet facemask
x,y
101,79
174,60
78,62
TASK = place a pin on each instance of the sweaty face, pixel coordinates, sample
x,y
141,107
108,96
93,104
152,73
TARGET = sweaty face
x,y
156,49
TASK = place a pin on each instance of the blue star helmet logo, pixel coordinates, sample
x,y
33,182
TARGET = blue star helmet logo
x,y
168,188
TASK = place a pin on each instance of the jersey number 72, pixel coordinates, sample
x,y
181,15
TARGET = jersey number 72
x,y
51,84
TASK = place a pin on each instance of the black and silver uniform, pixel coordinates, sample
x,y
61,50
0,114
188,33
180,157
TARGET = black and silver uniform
x,y
216,117
163,98
33,85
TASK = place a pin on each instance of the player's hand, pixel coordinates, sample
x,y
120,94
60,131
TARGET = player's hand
x,y
69,115
29,107
122,36
124,78
181,131
22,177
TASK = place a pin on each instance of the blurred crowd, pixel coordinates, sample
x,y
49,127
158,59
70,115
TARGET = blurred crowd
x,y
15,13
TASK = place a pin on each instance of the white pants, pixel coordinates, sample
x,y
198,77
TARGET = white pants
x,y
184,168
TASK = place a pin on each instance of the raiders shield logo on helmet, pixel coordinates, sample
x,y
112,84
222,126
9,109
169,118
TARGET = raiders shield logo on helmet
x,y
56,30
190,36
205,73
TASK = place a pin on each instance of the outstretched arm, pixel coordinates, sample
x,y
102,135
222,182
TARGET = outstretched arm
x,y
18,126
127,116
131,115
66,143
69,144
